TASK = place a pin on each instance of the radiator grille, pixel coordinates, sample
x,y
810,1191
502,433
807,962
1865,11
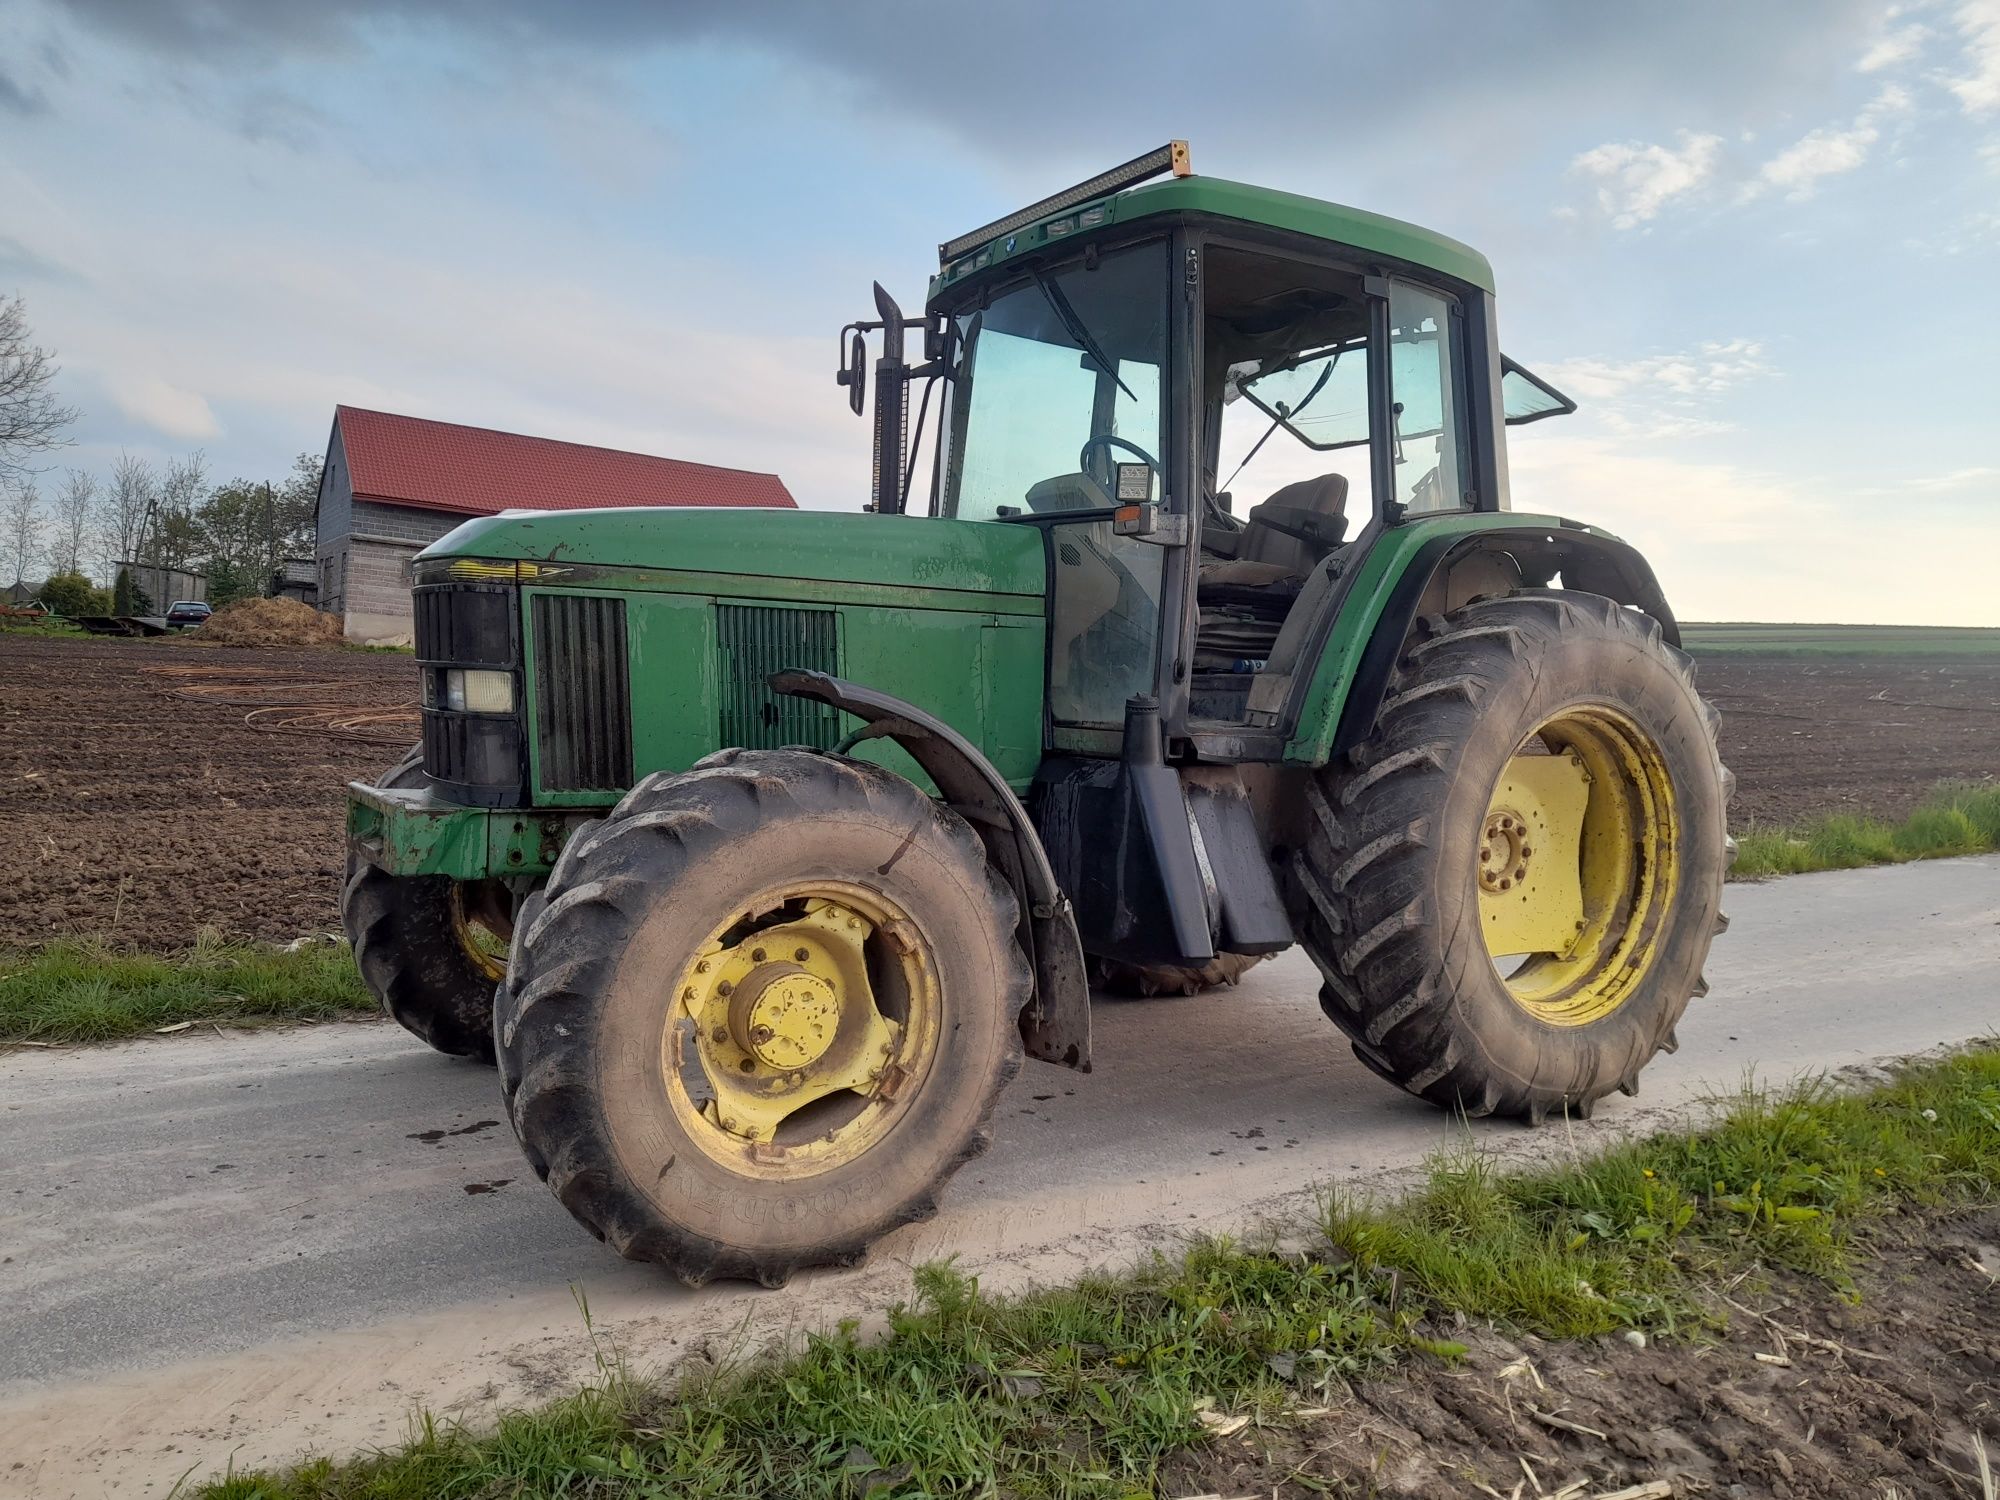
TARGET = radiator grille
x,y
465,626
583,702
755,642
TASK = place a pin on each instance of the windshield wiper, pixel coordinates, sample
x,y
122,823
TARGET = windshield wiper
x,y
1073,326
1283,418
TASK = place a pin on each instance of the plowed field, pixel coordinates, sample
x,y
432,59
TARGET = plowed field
x,y
149,805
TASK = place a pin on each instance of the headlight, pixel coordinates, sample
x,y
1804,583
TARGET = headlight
x,y
479,692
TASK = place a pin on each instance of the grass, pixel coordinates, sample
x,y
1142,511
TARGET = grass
x,y
79,991
1741,639
1087,1390
1956,819
43,630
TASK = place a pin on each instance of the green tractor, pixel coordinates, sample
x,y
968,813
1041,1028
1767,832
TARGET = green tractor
x,y
758,847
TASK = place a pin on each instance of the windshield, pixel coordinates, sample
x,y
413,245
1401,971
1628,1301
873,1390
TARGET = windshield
x,y
1057,385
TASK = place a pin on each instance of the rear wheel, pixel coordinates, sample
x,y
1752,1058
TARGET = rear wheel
x,y
1510,888
761,1013
430,949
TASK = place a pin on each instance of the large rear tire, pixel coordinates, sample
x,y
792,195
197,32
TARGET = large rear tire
x,y
1511,886
761,1013
430,949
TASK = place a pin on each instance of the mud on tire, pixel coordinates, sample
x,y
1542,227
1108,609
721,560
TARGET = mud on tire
x,y
405,933
589,999
1384,888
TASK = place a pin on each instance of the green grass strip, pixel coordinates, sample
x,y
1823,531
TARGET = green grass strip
x,y
1086,1390
1957,818
79,991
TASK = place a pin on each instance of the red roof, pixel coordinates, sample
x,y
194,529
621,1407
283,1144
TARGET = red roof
x,y
476,471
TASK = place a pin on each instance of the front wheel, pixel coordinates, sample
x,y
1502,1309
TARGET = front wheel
x,y
431,950
761,1013
1511,886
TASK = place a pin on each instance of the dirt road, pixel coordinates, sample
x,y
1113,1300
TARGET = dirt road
x,y
248,1246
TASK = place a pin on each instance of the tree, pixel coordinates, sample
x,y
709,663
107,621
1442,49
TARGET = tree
x,y
127,598
122,518
174,538
70,594
298,508
76,506
21,529
32,421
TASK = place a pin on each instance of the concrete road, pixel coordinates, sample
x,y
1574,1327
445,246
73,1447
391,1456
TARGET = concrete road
x,y
253,1244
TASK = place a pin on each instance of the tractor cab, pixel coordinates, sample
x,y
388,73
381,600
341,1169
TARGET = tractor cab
x,y
1203,394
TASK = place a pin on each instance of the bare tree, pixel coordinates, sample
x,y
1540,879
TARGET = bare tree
x,y
122,517
21,529
31,419
76,508
176,532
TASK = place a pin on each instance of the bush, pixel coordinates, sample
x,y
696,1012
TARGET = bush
x,y
71,594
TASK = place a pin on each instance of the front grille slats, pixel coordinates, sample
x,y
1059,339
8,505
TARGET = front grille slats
x,y
753,642
583,703
470,757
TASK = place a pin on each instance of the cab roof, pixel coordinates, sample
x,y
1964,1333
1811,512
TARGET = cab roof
x,y
1218,197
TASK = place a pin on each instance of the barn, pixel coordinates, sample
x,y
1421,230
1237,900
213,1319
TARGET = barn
x,y
394,484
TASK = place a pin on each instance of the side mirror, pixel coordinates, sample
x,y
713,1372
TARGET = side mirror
x,y
855,376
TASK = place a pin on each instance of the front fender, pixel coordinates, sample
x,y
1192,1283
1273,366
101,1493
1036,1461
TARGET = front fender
x,y
1056,1025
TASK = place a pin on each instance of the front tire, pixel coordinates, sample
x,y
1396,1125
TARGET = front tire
x,y
761,1013
1511,886
430,949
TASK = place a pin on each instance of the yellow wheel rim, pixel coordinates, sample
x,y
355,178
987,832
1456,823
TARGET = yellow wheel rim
x,y
1577,865
478,922
800,1031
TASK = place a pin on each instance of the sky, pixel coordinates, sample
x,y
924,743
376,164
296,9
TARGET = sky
x,y
1756,242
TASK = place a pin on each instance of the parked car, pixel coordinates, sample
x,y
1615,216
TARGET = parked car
x,y
189,612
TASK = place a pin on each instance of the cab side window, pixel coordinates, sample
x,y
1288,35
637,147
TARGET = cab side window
x,y
1429,463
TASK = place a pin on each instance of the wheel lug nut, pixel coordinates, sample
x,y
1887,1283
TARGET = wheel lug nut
x,y
720,1034
801,954
724,988
756,955
761,1034
1526,851
747,1066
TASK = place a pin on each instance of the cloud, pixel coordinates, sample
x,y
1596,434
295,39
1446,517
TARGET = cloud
x,y
165,408
1826,152
1730,541
1954,479
1662,395
1634,182
954,67
18,98
1894,48
1978,23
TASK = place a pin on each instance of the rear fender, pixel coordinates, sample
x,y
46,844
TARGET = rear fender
x,y
1056,1025
1441,572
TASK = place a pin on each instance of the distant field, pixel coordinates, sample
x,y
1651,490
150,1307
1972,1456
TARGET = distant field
x,y
1841,640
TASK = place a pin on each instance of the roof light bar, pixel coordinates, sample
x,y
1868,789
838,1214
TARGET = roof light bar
x,y
1172,157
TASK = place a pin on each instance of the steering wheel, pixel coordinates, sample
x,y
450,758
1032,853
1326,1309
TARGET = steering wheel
x,y
1111,440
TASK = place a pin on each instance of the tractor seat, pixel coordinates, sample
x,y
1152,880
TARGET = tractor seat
x,y
1244,600
1298,525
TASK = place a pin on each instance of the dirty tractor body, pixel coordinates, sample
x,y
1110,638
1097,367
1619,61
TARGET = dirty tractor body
x,y
758,847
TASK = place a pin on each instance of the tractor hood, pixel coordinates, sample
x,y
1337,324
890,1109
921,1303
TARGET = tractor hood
x,y
637,545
